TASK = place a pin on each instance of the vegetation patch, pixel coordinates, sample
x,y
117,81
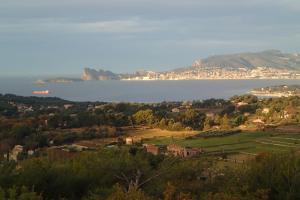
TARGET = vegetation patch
x,y
215,133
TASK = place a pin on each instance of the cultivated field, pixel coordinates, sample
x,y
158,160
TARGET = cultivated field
x,y
248,143
157,133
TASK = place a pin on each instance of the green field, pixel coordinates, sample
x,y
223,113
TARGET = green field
x,y
245,142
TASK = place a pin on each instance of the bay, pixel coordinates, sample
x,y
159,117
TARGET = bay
x,y
138,91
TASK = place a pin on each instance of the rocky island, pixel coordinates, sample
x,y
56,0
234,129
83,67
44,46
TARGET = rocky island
x,y
58,80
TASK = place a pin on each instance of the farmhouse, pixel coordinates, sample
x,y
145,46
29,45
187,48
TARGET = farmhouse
x,y
155,149
132,140
177,150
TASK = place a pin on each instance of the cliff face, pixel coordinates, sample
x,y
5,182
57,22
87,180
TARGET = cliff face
x,y
269,58
92,74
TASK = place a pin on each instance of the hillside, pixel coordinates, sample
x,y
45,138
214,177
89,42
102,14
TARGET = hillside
x,y
269,58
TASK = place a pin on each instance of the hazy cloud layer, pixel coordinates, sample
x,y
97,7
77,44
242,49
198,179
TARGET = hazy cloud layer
x,y
125,35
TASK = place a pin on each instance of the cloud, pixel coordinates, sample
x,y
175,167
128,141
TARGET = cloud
x,y
62,25
293,5
117,26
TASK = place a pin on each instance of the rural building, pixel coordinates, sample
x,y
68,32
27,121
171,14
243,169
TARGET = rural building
x,y
210,114
175,110
266,110
129,141
258,121
30,152
132,140
154,149
192,152
246,114
239,104
80,147
177,150
67,106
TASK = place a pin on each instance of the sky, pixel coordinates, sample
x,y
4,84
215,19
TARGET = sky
x,y
61,37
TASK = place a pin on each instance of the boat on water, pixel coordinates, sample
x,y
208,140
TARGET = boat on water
x,y
41,92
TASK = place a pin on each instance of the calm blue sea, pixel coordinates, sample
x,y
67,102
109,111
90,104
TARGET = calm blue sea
x,y
138,91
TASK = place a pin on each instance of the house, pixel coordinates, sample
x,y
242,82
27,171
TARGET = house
x,y
258,121
132,140
177,150
67,106
85,145
266,110
210,114
129,141
246,114
175,110
154,149
239,104
79,147
191,152
30,152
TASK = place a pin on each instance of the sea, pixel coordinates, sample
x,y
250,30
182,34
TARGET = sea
x,y
138,91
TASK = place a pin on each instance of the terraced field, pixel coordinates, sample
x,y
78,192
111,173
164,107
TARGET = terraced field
x,y
250,143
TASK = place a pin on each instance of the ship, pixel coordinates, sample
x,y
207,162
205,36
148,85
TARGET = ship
x,y
41,92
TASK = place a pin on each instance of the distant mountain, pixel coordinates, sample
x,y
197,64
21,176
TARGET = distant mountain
x,y
270,58
268,64
92,74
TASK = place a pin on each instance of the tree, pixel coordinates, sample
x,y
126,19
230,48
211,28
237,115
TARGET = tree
x,y
171,193
132,193
22,193
239,120
163,123
144,117
193,119
225,124
207,124
20,131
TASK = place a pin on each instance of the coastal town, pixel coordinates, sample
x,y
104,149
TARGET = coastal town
x,y
277,91
203,73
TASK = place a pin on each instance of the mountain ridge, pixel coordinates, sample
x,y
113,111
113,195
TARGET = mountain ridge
x,y
269,59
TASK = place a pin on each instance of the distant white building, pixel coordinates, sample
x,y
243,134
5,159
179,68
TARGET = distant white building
x,y
67,106
175,110
258,121
266,110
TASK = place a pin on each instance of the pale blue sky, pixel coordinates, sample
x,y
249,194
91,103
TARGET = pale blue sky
x,y
60,37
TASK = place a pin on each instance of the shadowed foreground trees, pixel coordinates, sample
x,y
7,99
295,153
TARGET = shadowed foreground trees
x,y
119,174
